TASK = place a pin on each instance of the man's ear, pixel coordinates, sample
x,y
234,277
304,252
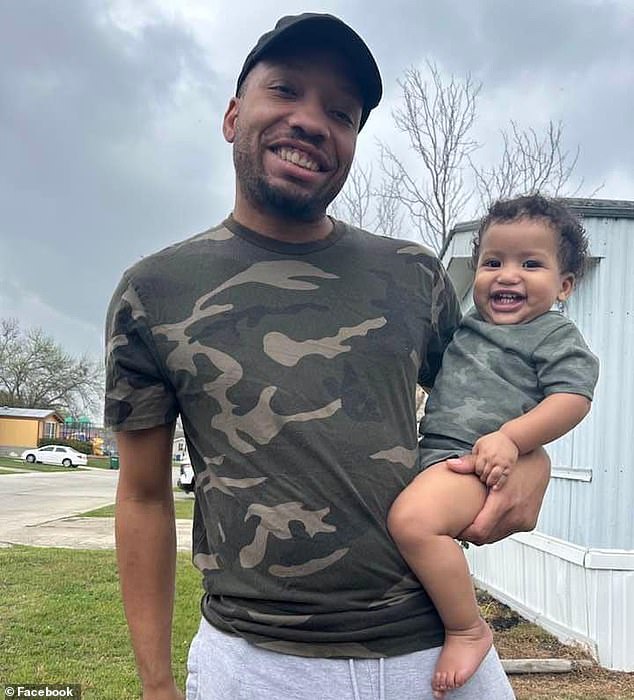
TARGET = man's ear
x,y
567,285
229,120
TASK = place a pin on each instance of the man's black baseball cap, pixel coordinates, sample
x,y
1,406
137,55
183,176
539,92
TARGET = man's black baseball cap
x,y
330,32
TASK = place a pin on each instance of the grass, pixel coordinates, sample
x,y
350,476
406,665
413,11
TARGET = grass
x,y
184,508
61,621
11,463
93,461
103,462
19,465
516,638
99,462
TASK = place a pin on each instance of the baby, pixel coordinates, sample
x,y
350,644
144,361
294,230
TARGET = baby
x,y
515,376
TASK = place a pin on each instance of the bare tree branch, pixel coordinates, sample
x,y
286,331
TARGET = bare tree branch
x,y
530,162
389,217
437,116
353,204
360,204
35,372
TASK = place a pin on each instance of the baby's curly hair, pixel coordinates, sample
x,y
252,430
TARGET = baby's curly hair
x,y
573,241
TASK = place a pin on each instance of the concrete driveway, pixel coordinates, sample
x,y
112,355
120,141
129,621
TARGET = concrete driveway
x,y
41,509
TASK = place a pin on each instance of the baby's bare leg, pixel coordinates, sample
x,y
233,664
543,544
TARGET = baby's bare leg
x,y
423,521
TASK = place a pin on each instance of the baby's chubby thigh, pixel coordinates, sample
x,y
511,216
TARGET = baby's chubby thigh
x,y
437,502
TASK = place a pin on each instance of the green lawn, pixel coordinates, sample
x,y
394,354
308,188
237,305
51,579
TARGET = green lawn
x,y
12,463
104,462
61,621
19,465
184,508
100,462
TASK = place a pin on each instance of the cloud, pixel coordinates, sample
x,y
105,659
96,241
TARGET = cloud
x,y
571,60
110,116
107,149
74,335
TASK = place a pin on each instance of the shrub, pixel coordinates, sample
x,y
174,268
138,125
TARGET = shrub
x,y
79,445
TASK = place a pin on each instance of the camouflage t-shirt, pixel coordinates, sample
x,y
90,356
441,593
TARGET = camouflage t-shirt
x,y
294,368
493,373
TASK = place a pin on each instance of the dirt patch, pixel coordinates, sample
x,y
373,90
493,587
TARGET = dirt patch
x,y
516,638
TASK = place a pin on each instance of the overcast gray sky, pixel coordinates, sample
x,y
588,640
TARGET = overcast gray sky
x,y
110,112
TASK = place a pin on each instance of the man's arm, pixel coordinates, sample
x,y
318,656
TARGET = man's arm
x,y
515,508
146,553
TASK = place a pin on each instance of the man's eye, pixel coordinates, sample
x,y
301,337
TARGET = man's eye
x,y
283,89
531,264
343,116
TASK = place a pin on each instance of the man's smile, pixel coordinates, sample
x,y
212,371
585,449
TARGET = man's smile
x,y
297,157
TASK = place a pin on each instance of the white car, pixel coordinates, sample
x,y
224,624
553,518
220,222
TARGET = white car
x,y
55,454
186,478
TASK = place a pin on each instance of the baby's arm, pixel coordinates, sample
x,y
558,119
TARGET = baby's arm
x,y
496,453
553,417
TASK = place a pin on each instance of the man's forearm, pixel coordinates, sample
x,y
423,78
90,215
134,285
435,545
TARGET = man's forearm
x,y
514,508
146,555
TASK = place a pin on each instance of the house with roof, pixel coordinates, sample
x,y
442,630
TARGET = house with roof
x,y
23,427
179,443
574,574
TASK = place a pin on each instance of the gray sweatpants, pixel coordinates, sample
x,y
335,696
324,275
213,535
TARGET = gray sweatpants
x,y
224,667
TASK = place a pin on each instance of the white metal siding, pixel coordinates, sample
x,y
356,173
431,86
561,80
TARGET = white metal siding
x,y
565,589
566,584
599,513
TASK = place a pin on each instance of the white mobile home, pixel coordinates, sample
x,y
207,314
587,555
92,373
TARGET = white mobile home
x,y
574,574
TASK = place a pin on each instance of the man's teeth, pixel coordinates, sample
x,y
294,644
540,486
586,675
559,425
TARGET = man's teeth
x,y
297,158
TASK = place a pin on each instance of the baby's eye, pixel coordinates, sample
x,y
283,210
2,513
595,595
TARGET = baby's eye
x,y
491,262
531,264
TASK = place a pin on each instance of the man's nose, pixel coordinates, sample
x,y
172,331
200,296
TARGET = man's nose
x,y
310,118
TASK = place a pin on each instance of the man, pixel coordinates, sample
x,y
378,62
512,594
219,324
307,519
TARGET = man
x,y
291,346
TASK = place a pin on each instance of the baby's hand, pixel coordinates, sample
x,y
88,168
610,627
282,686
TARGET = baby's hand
x,y
494,454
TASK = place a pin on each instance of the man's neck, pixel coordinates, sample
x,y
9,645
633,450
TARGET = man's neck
x,y
286,230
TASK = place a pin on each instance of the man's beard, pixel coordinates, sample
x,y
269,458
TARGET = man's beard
x,y
287,203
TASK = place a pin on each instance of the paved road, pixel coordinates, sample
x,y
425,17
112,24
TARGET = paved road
x,y
38,508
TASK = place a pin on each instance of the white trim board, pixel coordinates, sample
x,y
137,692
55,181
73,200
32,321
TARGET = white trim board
x,y
578,593
572,474
563,633
587,557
